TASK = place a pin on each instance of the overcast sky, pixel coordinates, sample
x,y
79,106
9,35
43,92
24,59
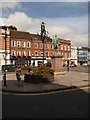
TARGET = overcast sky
x,y
69,20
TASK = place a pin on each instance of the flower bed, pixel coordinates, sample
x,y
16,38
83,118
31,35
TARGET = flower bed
x,y
40,74
23,70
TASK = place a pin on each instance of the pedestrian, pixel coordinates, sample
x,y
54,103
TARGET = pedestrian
x,y
31,72
18,77
28,72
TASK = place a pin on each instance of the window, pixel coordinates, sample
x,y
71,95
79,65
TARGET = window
x,y
51,53
18,53
23,44
71,56
47,54
68,55
68,47
28,44
51,46
65,47
61,47
13,43
36,45
86,52
41,45
65,55
36,53
61,53
28,53
24,53
46,45
13,53
18,44
41,54
74,56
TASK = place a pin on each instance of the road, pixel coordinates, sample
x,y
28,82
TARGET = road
x,y
65,104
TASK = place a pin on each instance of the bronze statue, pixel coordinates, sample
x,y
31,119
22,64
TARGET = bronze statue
x,y
56,43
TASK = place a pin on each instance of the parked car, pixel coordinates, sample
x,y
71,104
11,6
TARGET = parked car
x,y
9,68
73,65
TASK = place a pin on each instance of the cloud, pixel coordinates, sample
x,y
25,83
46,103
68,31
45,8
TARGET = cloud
x,y
18,19
72,28
11,5
46,0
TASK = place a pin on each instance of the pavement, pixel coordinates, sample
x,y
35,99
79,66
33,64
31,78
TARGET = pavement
x,y
70,80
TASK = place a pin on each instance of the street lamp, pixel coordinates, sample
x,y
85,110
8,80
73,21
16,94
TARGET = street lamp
x,y
4,77
68,65
43,33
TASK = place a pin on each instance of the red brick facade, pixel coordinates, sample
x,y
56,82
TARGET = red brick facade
x,y
26,45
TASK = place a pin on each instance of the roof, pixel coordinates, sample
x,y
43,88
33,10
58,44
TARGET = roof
x,y
64,41
8,27
26,35
83,48
20,34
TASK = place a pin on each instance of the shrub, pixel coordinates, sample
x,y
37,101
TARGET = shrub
x,y
37,70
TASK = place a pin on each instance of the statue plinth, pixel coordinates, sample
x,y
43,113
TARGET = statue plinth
x,y
57,64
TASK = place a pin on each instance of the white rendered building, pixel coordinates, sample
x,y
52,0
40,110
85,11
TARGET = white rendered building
x,y
73,54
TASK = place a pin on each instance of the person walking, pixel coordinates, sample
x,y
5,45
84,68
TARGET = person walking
x,y
18,76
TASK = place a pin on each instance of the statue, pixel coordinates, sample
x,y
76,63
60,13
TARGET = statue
x,y
56,43
43,31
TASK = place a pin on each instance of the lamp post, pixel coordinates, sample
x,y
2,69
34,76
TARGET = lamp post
x,y
68,65
4,77
43,33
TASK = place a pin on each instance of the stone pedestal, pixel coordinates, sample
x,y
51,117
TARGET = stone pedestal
x,y
57,64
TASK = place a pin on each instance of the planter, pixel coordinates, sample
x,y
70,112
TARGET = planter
x,y
24,72
46,78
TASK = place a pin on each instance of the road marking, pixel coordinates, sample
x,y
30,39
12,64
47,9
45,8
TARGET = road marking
x,y
47,93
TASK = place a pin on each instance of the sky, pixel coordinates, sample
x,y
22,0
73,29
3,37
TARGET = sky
x,y
68,19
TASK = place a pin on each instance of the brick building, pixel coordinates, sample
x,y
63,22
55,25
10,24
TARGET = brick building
x,y
24,47
4,48
65,49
